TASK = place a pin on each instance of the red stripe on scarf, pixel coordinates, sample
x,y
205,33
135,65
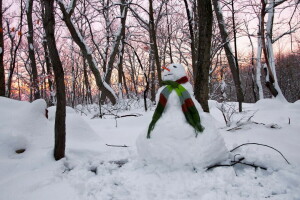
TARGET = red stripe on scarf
x,y
184,108
162,100
182,80
189,103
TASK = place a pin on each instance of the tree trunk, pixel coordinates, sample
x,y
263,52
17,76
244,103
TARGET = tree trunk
x,y
49,72
123,11
2,72
271,81
35,85
229,54
258,63
87,84
60,115
203,54
152,33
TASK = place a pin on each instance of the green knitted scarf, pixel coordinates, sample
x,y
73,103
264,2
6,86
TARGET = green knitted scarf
x,y
188,107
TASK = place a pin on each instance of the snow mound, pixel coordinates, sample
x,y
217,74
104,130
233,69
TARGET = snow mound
x,y
77,129
20,122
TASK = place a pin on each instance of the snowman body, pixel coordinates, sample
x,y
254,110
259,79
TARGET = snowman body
x,y
173,141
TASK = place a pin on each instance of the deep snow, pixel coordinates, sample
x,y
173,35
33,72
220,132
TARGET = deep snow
x,y
89,170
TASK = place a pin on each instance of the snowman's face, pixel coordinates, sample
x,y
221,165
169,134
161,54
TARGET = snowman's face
x,y
173,72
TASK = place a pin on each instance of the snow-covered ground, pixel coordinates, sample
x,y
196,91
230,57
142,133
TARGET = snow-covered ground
x,y
92,170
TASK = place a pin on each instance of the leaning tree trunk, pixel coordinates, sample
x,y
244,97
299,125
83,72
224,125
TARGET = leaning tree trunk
x,y
76,36
229,54
203,54
60,115
35,85
2,73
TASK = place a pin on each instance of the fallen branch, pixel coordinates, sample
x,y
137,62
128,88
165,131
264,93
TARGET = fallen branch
x,y
261,145
233,163
225,165
112,145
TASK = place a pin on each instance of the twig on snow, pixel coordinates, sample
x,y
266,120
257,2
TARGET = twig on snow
x,y
112,145
261,145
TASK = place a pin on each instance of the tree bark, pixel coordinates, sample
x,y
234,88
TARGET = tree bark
x,y
201,72
35,84
60,115
271,80
49,72
152,33
2,72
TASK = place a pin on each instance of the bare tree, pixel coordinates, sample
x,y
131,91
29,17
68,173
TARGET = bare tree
x,y
267,46
232,60
78,39
35,84
152,32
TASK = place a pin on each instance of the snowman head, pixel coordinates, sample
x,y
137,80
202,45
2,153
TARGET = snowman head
x,y
173,72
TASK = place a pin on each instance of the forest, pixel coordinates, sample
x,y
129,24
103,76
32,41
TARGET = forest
x,y
110,50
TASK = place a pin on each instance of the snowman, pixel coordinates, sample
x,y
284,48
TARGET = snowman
x,y
180,133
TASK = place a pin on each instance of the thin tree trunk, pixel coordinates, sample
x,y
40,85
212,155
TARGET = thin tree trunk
x,y
2,72
204,44
49,72
152,33
169,34
258,62
123,12
35,85
87,84
235,49
60,115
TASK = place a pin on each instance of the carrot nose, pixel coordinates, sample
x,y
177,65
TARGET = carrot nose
x,y
165,68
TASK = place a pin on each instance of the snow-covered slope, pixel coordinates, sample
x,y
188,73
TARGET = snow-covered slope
x,y
91,170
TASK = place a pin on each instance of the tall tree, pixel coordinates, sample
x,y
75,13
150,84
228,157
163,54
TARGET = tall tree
x,y
60,115
152,32
201,72
2,73
267,46
35,84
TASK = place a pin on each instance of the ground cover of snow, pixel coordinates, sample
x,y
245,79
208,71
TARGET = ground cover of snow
x,y
92,170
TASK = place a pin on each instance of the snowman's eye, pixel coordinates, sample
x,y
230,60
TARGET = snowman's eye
x,y
174,66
